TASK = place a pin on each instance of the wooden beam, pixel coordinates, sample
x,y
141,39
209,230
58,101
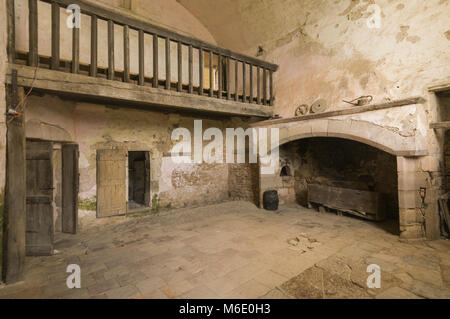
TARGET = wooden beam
x,y
55,36
94,46
33,55
191,69
168,68
141,80
126,53
10,11
155,60
200,69
15,197
111,64
180,66
440,125
75,50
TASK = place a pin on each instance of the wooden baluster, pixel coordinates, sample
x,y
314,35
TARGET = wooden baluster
x,y
228,79
155,61
11,31
111,72
236,80
219,76
264,86
126,53
251,83
55,36
180,67
191,69
271,87
244,83
33,55
200,66
168,69
211,76
75,50
258,85
141,58
94,46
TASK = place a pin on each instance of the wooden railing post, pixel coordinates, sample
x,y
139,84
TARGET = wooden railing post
x,y
211,76
75,50
94,46
33,56
180,66
111,71
258,85
271,87
264,86
244,83
219,75
191,69
11,31
126,53
55,36
141,58
155,60
251,83
168,68
200,66
236,80
228,78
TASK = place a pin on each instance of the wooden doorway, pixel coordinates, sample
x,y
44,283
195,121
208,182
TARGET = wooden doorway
x,y
138,180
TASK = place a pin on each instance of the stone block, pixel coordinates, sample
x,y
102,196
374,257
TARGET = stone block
x,y
408,199
319,128
408,216
407,164
411,232
407,181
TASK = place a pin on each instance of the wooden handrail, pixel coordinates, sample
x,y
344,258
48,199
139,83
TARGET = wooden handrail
x,y
142,27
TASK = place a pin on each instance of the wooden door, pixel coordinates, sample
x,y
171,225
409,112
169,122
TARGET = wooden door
x,y
147,198
39,175
70,187
111,182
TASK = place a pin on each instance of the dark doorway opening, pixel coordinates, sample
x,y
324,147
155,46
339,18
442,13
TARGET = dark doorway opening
x,y
138,180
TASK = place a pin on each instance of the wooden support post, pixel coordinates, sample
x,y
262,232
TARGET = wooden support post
x,y
258,85
168,68
15,196
155,60
271,87
94,46
264,86
251,83
111,50
211,74
200,70
228,79
141,58
55,36
191,69
244,83
180,66
126,53
33,55
11,31
219,75
236,80
75,50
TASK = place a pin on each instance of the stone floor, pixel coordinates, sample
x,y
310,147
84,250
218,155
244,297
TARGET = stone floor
x,y
234,250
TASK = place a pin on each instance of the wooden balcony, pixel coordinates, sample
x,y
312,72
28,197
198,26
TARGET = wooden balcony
x,y
224,81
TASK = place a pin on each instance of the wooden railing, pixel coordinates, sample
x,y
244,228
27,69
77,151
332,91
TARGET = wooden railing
x,y
220,83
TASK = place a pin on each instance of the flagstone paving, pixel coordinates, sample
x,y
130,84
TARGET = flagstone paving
x,y
235,250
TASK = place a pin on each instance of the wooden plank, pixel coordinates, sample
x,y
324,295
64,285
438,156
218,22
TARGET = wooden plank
x,y
180,66
258,85
228,79
200,70
14,210
219,75
141,80
211,74
126,53
75,50
251,83
264,86
11,47
369,205
191,69
141,24
244,82
147,191
70,187
168,68
33,55
236,80
94,46
55,36
111,65
440,125
271,87
155,60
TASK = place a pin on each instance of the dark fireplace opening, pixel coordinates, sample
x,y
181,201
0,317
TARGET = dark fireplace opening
x,y
342,176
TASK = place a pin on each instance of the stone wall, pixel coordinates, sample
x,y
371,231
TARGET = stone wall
x,y
243,182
